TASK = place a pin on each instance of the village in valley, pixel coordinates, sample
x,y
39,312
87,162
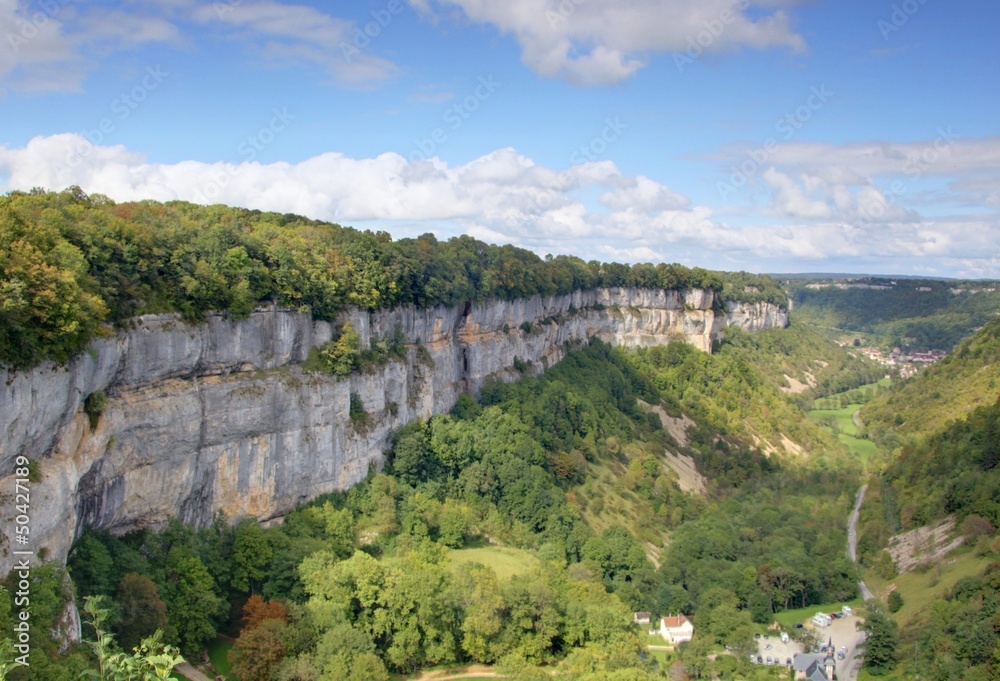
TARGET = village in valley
x,y
813,650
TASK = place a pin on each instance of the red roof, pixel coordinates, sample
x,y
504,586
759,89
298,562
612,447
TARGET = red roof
x,y
674,621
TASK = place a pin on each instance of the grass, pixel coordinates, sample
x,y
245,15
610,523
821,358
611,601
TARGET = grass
x,y
505,561
864,449
788,618
920,589
218,651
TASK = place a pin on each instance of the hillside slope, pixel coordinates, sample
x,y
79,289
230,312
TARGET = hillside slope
x,y
966,379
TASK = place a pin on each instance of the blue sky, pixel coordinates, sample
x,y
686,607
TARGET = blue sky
x,y
767,135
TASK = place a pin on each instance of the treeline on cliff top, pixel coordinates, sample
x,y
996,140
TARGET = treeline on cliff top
x,y
71,263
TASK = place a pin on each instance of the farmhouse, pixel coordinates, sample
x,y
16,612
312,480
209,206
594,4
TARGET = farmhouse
x,y
676,629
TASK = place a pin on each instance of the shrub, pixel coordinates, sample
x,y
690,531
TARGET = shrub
x,y
895,602
93,407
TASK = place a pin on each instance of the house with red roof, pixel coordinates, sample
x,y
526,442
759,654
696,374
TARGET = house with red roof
x,y
676,629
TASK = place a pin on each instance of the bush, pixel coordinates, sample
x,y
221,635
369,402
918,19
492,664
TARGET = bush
x,y
895,602
93,407
359,417
341,355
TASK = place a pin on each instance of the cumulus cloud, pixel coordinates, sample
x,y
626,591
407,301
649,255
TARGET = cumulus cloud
x,y
877,187
592,42
506,197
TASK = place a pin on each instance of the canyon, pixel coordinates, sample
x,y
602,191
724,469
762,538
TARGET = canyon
x,y
220,416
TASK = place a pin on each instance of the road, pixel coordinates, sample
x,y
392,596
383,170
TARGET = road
x,y
852,540
858,423
851,663
849,666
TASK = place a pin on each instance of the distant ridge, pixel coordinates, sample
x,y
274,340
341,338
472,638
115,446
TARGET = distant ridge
x,y
844,275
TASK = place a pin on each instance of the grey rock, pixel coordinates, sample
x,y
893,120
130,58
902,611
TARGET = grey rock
x,y
220,416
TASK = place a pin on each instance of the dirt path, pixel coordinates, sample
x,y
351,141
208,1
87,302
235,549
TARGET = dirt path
x,y
189,671
470,672
858,423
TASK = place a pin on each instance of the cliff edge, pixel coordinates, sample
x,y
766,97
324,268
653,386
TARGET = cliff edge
x,y
220,416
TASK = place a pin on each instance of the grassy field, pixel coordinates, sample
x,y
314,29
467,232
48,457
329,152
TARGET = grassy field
x,y
860,447
789,618
863,448
920,589
504,560
217,652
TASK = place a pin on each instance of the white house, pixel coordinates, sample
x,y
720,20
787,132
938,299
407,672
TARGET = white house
x,y
676,629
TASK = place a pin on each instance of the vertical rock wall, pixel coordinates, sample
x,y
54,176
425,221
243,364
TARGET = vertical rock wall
x,y
220,416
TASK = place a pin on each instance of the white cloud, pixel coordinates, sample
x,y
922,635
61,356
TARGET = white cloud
x,y
287,33
506,197
790,199
644,194
606,41
50,47
35,55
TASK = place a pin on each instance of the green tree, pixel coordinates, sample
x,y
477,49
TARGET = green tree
x,y
251,555
91,566
193,606
895,602
881,641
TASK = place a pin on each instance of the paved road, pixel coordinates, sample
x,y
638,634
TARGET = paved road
x,y
849,666
852,540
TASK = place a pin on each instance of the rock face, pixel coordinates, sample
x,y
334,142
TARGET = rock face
x,y
221,416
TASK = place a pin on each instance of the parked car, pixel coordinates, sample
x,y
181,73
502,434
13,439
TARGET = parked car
x,y
760,660
769,660
788,661
797,625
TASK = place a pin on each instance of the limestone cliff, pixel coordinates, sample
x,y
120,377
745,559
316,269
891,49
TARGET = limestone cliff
x,y
220,415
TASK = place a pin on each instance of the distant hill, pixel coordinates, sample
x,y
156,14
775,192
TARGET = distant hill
x,y
846,276
966,379
913,314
